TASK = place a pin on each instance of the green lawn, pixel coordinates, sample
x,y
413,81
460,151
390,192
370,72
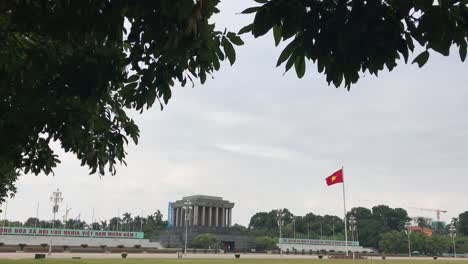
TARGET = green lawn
x,y
220,261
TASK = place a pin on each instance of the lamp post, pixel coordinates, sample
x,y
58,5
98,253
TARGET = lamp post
x,y
280,223
352,227
453,234
408,232
187,208
56,198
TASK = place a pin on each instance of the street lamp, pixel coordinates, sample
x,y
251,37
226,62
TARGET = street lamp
x,y
56,198
187,208
279,219
453,234
408,232
352,227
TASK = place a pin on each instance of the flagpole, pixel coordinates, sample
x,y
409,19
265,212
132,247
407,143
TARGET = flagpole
x,y
344,209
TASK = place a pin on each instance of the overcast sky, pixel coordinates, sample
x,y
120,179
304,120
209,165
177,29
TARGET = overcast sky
x,y
265,140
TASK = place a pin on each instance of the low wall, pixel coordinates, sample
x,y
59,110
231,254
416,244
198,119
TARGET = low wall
x,y
76,241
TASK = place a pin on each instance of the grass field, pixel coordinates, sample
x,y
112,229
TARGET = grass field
x,y
222,261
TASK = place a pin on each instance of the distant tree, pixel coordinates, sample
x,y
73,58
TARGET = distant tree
x,y
138,222
267,223
423,222
9,223
127,221
44,224
104,225
393,242
332,224
56,224
95,226
371,224
31,222
461,244
437,244
463,223
75,224
115,223
418,241
265,243
154,224
206,240
261,220
240,229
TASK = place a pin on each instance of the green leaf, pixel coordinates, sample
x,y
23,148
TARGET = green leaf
x,y
263,22
462,50
299,64
423,4
131,86
133,78
409,41
422,58
245,29
216,63
337,79
236,40
202,77
277,33
290,63
286,53
251,10
229,50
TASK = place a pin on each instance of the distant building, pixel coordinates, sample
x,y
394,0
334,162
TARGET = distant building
x,y
208,214
425,230
207,211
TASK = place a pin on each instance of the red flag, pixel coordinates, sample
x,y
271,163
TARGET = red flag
x,y
336,177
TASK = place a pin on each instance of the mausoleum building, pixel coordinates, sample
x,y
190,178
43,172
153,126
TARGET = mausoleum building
x,y
201,211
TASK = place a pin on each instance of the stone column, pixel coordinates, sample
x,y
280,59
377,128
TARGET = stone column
x,y
180,216
203,216
216,223
223,217
229,216
195,215
184,212
173,212
175,216
210,216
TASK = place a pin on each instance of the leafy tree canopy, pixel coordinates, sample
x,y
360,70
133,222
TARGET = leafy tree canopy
x,y
463,223
349,37
265,243
371,224
71,70
204,240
